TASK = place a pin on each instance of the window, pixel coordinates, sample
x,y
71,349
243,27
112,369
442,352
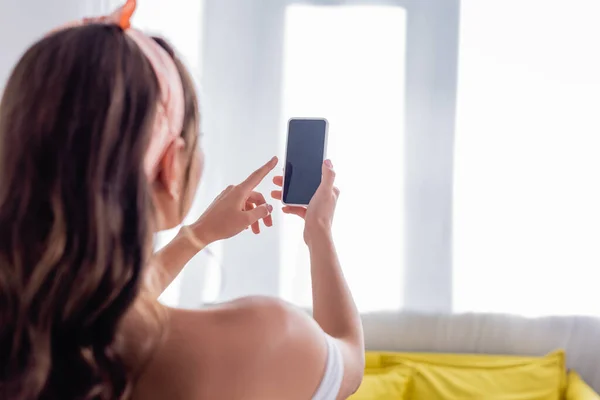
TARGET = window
x,y
347,64
527,177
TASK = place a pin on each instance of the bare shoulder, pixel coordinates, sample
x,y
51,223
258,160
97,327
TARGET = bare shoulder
x,y
255,347
260,331
261,315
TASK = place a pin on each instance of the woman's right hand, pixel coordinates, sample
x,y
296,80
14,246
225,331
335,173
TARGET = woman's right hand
x,y
319,213
235,209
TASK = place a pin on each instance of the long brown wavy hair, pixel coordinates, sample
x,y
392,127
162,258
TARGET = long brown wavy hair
x,y
75,211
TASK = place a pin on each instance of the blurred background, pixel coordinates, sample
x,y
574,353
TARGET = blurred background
x,y
465,134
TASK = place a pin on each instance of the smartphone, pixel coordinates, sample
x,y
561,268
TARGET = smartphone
x,y
305,153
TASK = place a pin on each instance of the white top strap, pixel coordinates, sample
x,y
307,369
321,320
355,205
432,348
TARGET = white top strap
x,y
334,373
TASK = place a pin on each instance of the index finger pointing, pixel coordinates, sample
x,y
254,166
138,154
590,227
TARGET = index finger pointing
x,y
257,176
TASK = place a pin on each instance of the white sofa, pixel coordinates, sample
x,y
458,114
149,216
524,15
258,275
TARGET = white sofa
x,y
490,334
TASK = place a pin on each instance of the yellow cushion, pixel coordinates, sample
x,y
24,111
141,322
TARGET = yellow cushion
x,y
464,377
383,384
577,389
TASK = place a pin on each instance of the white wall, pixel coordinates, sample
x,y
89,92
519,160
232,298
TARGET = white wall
x,y
22,22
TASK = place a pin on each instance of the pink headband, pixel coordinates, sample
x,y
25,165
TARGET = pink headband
x,y
168,122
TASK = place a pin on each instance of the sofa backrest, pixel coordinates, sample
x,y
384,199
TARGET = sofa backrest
x,y
490,334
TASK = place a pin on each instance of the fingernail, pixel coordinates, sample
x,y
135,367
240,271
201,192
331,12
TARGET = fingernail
x,y
328,163
269,208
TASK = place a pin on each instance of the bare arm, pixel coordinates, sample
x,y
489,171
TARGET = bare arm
x,y
235,209
333,306
334,309
171,259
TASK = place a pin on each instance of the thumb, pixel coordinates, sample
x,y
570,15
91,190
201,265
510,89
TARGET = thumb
x,y
258,213
328,174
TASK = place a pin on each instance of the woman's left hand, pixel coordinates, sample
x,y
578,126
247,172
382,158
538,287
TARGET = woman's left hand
x,y
235,209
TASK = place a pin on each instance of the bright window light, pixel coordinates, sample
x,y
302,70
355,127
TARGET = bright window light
x,y
527,189
347,64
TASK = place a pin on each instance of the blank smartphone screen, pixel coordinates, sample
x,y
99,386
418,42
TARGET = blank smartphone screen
x,y
304,159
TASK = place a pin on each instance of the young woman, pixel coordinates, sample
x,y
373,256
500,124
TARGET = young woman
x,y
99,149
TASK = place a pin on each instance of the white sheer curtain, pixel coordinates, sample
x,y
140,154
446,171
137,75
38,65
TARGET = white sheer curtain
x,y
527,192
